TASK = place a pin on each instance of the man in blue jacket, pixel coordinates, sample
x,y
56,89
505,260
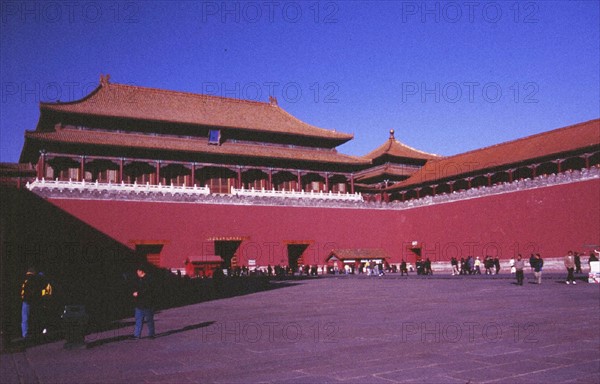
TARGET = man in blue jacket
x,y
143,295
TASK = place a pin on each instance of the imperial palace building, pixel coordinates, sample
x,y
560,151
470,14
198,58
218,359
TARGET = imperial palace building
x,y
193,180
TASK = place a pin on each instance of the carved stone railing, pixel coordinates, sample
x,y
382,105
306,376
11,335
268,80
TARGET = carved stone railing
x,y
260,193
518,185
86,186
202,195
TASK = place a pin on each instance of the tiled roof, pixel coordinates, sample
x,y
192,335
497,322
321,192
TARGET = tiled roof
x,y
368,253
204,259
398,170
150,104
395,148
16,169
578,137
191,145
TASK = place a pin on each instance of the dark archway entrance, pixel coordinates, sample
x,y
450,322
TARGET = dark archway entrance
x,y
227,249
295,252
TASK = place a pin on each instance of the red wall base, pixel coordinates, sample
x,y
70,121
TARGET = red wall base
x,y
549,220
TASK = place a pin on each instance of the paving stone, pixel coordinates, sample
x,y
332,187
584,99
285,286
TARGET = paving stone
x,y
347,330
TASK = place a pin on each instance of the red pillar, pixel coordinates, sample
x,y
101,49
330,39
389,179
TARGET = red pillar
x,y
558,165
239,178
41,171
451,184
193,177
326,181
81,168
299,188
270,185
157,172
201,181
587,160
121,163
533,168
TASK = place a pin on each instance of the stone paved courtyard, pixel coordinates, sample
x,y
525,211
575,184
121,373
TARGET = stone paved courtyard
x,y
348,329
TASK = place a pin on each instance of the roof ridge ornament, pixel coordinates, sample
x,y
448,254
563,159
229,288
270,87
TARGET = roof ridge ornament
x,y
392,134
273,100
104,79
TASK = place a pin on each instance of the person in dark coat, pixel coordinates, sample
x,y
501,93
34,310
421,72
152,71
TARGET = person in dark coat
x,y
31,296
144,297
577,263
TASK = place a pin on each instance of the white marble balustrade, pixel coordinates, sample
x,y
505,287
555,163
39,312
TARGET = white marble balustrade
x,y
296,194
86,186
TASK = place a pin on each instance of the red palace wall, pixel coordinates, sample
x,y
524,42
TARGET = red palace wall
x,y
548,220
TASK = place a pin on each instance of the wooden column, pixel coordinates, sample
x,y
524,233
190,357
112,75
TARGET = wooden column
x,y
157,172
193,176
299,187
451,184
489,179
352,183
326,181
81,168
587,160
270,184
533,168
239,177
41,171
558,165
121,164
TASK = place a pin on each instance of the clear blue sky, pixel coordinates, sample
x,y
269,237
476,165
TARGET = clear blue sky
x,y
447,76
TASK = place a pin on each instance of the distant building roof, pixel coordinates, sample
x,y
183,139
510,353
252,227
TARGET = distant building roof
x,y
150,104
575,138
394,148
17,170
204,259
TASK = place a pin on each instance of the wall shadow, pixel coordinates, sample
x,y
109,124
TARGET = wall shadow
x,y
86,267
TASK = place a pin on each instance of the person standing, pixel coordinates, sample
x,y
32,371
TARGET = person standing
x,y
477,266
31,296
454,263
538,264
144,303
403,268
497,264
570,265
577,263
519,267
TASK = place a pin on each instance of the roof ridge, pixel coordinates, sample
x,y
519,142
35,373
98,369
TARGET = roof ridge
x,y
190,94
416,150
84,98
289,115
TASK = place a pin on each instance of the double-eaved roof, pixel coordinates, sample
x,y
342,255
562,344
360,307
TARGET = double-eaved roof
x,y
151,104
59,128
